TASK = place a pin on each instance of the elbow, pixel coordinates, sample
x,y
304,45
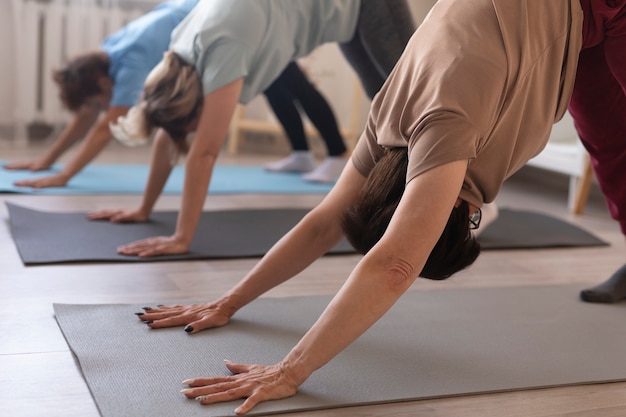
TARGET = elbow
x,y
399,274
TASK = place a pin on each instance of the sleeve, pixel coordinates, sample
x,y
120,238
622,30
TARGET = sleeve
x,y
367,151
440,138
222,63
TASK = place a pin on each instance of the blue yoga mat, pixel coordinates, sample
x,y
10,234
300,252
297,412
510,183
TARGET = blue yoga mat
x,y
131,179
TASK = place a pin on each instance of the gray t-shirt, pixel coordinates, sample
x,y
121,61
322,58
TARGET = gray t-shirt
x,y
229,39
482,81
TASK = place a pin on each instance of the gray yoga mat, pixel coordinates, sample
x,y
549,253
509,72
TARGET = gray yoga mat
x,y
49,237
430,344
46,237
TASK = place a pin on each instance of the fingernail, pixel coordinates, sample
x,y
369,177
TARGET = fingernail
x,y
148,321
160,305
187,382
140,314
147,308
200,398
189,329
185,391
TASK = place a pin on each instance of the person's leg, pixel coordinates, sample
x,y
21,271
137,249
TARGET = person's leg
x,y
282,103
371,78
321,115
599,109
383,30
313,103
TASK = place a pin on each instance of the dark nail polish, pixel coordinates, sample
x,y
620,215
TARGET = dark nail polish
x,y
147,308
189,329
160,305
148,321
140,314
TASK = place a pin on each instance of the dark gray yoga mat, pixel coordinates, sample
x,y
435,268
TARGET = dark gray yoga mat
x,y
431,344
48,237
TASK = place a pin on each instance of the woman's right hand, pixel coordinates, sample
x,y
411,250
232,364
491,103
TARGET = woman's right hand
x,y
194,317
119,215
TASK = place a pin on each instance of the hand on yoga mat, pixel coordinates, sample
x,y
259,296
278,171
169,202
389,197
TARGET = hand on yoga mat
x,y
194,317
29,165
255,383
153,246
119,215
56,180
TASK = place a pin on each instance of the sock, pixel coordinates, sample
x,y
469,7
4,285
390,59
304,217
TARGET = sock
x,y
489,215
610,291
298,161
328,171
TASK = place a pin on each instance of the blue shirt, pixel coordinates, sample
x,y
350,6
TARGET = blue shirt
x,y
136,48
228,39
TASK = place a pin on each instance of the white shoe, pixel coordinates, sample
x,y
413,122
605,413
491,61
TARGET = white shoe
x,y
299,161
328,171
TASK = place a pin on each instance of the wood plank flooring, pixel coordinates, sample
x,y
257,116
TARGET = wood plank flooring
x,y
39,377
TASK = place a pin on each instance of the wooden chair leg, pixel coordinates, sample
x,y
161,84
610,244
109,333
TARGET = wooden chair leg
x,y
582,192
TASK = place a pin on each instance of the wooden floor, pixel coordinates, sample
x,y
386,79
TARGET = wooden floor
x,y
39,377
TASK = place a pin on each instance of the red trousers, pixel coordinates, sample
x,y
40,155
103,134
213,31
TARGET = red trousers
x,y
598,103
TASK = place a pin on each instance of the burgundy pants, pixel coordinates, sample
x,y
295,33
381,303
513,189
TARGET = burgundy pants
x,y
598,103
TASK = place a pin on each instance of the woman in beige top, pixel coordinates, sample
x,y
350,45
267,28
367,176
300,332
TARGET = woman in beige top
x,y
471,100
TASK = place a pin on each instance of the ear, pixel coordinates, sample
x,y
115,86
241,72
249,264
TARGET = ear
x,y
106,84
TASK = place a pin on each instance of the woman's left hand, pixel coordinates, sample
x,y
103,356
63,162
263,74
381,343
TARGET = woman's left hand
x,y
256,383
153,246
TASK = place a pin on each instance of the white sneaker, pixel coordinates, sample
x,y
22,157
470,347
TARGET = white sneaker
x,y
300,161
328,171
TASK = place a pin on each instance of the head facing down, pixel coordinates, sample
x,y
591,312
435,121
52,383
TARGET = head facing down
x,y
366,221
85,77
171,100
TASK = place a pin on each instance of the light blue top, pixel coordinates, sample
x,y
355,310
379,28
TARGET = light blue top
x,y
136,48
229,39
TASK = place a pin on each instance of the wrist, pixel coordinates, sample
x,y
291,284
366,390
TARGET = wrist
x,y
64,176
181,237
295,371
229,304
47,161
144,211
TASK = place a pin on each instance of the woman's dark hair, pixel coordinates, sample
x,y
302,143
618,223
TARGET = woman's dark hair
x,y
79,79
365,222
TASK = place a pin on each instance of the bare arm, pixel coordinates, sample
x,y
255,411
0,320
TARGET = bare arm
x,y
161,165
82,121
312,237
381,277
97,138
217,111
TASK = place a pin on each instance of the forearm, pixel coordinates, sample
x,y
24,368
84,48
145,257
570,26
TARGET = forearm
x,y
97,138
82,121
369,293
161,165
311,238
198,172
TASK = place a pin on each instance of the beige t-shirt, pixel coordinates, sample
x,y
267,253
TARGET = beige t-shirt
x,y
482,80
